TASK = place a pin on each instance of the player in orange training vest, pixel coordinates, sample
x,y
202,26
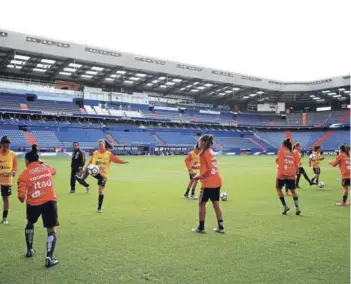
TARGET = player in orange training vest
x,y
35,186
8,168
343,161
192,163
211,184
287,165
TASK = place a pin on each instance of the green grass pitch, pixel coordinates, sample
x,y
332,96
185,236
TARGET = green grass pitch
x,y
143,235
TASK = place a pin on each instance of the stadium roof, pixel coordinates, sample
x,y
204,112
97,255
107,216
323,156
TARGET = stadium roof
x,y
48,60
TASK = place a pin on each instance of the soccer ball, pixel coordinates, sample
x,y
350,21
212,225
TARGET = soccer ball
x,y
321,184
93,170
224,196
313,157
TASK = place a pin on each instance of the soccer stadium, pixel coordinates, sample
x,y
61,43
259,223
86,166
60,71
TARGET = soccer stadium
x,y
152,112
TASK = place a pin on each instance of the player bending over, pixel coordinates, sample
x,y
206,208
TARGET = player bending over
x,y
102,158
8,168
287,165
211,184
192,164
35,186
343,161
314,161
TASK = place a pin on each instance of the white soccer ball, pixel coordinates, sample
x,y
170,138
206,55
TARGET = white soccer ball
x,y
93,170
224,196
313,157
321,184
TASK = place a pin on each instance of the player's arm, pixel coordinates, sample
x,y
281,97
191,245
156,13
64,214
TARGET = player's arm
x,y
21,188
15,164
336,162
115,159
52,170
208,168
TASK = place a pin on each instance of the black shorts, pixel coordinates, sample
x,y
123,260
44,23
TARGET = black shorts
x,y
101,180
301,171
345,182
209,194
48,212
288,183
6,190
191,176
317,171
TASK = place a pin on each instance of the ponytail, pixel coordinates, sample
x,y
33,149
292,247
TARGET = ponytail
x,y
208,140
287,143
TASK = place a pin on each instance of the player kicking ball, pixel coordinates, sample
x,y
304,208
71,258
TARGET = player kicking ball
x,y
101,158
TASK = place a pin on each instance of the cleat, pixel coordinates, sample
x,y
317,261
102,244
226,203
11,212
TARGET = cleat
x,y
298,212
286,209
30,253
5,221
342,203
218,230
99,211
186,196
194,197
87,189
197,230
72,191
50,262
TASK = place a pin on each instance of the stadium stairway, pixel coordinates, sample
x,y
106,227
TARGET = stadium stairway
x,y
345,116
159,140
323,138
111,139
289,135
254,141
30,138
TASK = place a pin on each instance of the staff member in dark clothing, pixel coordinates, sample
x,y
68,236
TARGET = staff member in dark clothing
x,y
77,164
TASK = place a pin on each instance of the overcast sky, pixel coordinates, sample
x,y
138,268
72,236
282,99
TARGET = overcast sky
x,y
297,40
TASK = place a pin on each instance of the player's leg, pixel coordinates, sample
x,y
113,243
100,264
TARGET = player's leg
x,y
73,180
50,222
303,172
215,194
193,188
298,176
202,211
318,174
5,193
345,192
101,184
292,186
280,183
33,213
190,184
81,179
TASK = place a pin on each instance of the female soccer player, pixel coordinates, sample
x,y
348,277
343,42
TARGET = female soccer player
x,y
211,184
315,160
300,170
343,161
102,158
287,165
192,165
8,168
35,186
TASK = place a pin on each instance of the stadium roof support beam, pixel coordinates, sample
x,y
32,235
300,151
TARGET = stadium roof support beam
x,y
65,64
7,59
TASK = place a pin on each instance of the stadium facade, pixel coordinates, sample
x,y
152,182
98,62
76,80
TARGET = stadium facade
x,y
54,92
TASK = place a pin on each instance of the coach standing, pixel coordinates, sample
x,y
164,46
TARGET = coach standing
x,y
77,164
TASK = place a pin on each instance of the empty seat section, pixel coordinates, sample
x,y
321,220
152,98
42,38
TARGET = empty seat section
x,y
133,137
17,137
46,139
